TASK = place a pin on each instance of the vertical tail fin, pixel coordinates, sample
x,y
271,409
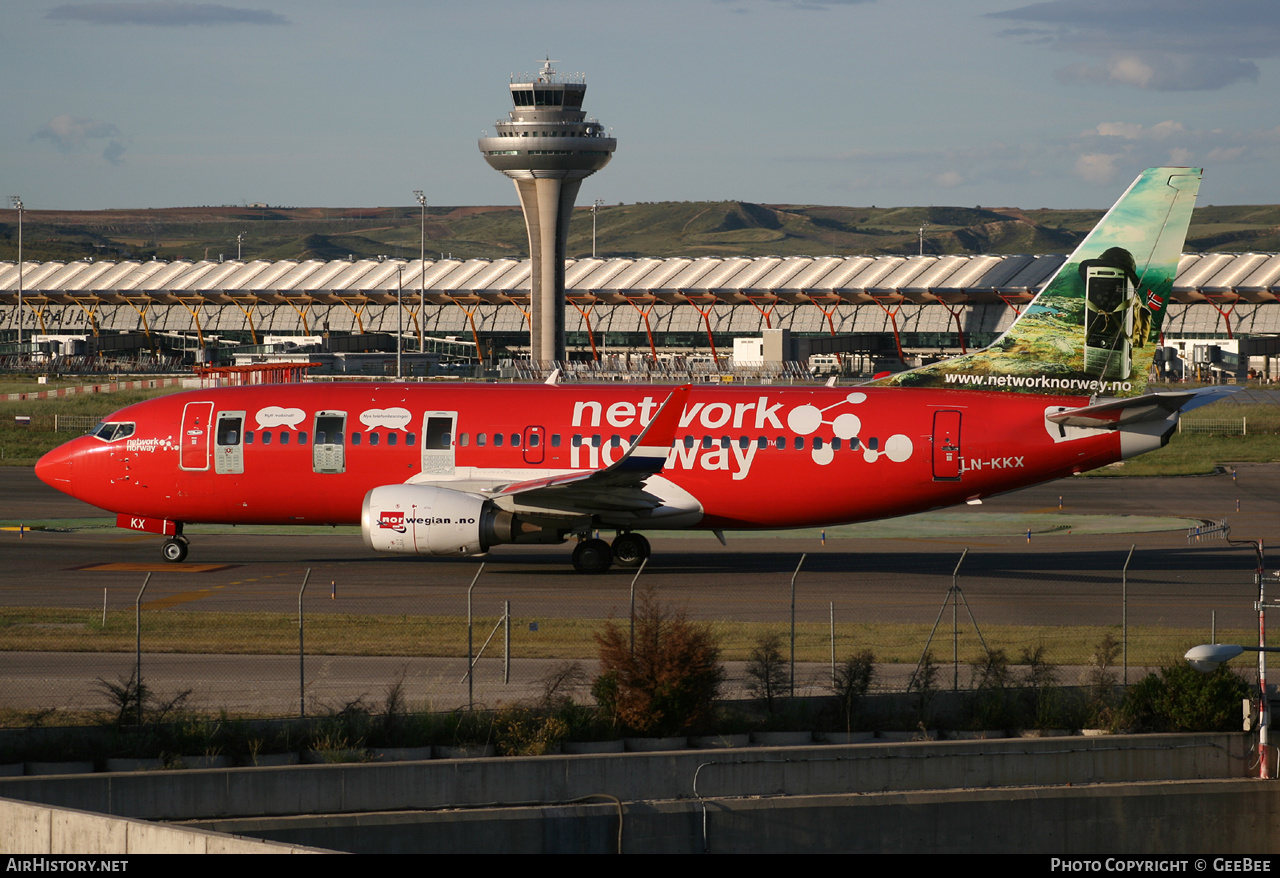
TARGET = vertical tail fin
x,y
1093,328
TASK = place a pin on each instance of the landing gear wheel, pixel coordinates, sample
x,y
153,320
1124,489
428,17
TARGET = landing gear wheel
x,y
592,556
174,550
630,550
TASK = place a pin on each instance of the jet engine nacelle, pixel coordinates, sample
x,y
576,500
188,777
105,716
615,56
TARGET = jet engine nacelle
x,y
427,520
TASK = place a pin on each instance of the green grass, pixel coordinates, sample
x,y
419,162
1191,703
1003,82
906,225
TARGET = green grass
x,y
22,446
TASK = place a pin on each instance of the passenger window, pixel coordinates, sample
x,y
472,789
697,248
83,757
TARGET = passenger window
x,y
411,439
284,437
534,440
248,437
464,439
595,441
355,438
688,441
835,443
706,441
266,437
799,443
393,438
555,440
817,441
497,440
302,437
515,440
577,441
780,443
482,439
375,438
873,443
615,441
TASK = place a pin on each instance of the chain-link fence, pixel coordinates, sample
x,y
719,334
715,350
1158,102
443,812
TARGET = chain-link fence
x,y
275,648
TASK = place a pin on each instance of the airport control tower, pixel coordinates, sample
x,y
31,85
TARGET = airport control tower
x,y
547,147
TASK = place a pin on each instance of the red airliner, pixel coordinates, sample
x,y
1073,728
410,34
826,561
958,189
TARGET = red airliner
x,y
453,469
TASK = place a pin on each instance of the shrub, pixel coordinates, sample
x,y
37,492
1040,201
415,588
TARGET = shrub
x,y
668,685
1181,699
767,676
853,681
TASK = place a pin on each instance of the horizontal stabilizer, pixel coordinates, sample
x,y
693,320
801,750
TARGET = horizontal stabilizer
x,y
1151,407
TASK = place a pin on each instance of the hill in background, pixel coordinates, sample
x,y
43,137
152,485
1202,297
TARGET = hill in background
x,y
725,228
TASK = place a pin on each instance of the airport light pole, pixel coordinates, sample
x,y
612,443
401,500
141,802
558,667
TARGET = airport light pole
x,y
595,208
17,204
239,240
399,318
1207,657
422,265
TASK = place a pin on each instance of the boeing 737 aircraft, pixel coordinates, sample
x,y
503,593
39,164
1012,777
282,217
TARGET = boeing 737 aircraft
x,y
453,469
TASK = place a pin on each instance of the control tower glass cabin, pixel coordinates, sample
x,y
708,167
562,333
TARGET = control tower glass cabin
x,y
548,146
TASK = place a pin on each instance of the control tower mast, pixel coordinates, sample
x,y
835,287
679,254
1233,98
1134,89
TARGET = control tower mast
x,y
548,146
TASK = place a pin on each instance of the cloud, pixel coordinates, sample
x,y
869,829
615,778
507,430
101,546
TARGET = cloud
x,y
1158,45
72,134
1134,131
163,13
114,152
1097,168
1101,156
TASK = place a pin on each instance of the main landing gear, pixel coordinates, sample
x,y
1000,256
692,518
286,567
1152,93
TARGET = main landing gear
x,y
594,556
174,549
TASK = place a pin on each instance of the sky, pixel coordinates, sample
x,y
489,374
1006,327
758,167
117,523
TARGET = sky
x,y
162,103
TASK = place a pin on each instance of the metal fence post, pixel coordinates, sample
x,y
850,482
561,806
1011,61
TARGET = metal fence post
x,y
137,649
1124,611
302,665
793,623
471,692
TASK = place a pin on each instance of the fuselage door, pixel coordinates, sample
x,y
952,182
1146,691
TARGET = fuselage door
x,y
437,442
946,446
197,427
229,452
328,452
534,439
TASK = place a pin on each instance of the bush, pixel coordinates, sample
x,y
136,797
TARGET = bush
x,y
670,682
767,676
1181,699
853,681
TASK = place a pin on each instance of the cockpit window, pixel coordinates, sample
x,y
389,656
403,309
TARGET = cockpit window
x,y
109,431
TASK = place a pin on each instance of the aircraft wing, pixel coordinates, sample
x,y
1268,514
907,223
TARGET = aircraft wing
x,y
616,487
1151,407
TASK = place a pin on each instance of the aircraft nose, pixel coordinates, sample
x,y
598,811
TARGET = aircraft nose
x,y
54,468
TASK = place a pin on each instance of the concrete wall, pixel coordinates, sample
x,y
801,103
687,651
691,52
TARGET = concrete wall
x,y
1191,817
793,771
40,829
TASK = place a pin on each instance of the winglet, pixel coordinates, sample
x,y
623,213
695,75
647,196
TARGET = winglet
x,y
554,378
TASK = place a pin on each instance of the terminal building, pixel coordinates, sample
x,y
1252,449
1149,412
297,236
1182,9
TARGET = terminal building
x,y
858,313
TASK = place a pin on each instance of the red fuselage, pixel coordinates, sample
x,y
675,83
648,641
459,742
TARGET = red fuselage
x,y
751,457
